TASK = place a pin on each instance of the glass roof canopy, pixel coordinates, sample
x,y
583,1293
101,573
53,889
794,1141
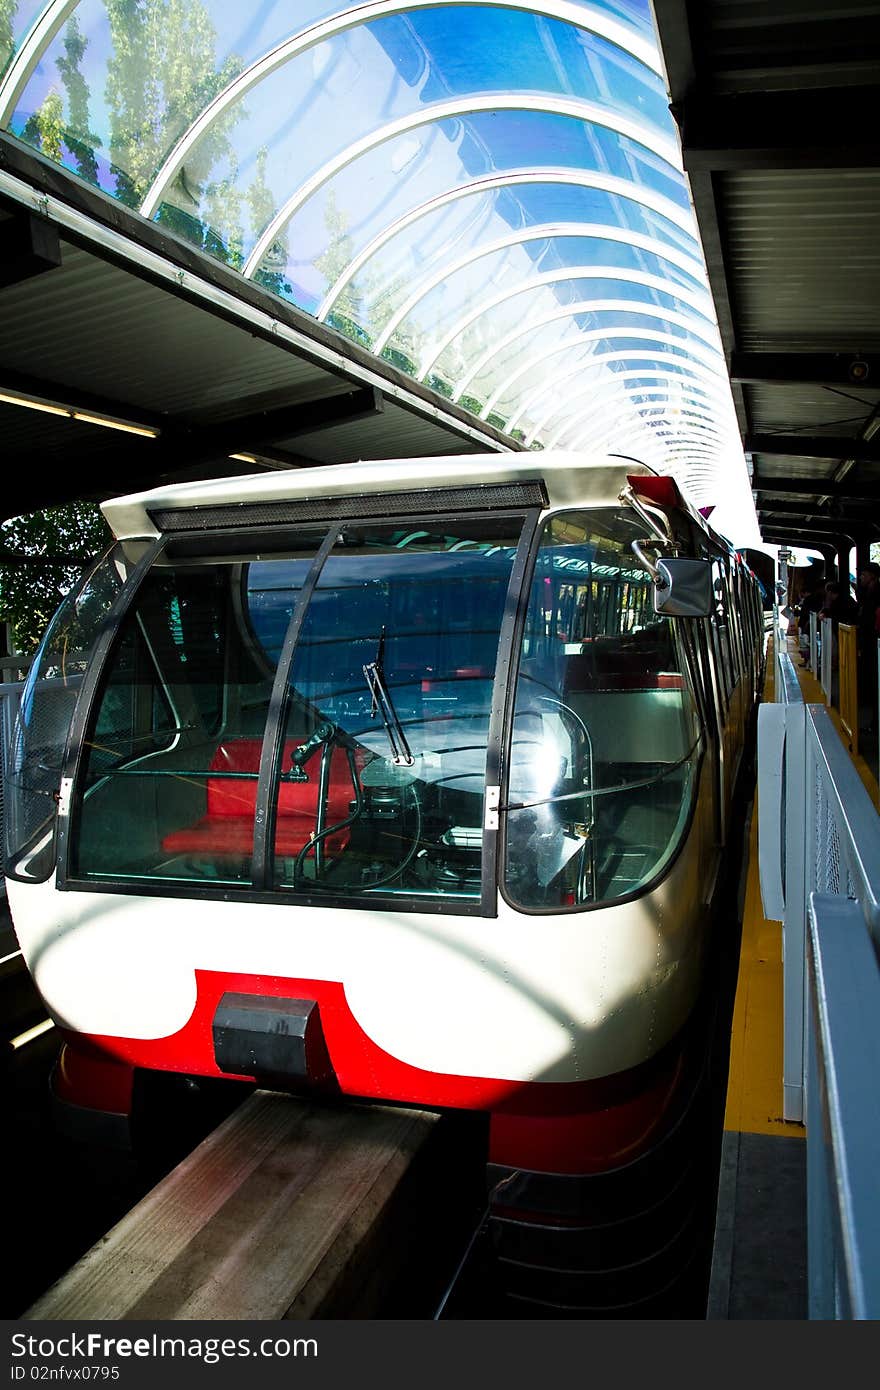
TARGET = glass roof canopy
x,y
487,195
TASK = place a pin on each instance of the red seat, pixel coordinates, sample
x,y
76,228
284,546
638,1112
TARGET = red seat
x,y
228,825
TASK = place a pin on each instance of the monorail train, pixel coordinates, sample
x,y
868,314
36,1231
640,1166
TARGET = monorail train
x,y
401,780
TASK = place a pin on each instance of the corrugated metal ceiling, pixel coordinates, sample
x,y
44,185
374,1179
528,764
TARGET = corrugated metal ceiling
x,y
777,104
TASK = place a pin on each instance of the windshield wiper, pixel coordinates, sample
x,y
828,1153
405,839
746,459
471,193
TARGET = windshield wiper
x,y
374,675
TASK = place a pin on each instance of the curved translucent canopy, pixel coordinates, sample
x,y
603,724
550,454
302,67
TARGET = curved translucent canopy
x,y
489,195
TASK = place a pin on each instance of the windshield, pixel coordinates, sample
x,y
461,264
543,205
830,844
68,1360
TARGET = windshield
x,y
343,681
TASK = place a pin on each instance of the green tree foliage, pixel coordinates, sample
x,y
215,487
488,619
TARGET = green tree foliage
x,y
262,205
160,76
54,547
45,127
224,233
79,139
400,359
439,384
343,324
7,34
335,259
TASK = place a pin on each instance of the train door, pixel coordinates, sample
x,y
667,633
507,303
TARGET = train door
x,y
724,678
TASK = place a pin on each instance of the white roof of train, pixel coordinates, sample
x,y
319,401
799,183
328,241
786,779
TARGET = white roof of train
x,y
571,479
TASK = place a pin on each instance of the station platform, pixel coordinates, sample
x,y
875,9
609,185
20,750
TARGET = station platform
x,y
759,1264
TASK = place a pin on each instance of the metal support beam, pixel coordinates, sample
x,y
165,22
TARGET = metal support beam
x,y
290,421
841,560
832,558
73,399
841,526
832,510
851,490
844,525
788,531
192,442
813,447
29,246
800,45
835,128
807,369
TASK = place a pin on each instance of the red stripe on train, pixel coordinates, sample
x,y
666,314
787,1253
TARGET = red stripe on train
x,y
577,1126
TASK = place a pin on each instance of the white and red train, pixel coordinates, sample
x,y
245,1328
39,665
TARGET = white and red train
x,y
406,781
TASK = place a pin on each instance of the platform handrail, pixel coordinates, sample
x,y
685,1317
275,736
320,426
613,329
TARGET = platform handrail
x,y
15,663
843,1136
775,721
847,818
816,812
787,685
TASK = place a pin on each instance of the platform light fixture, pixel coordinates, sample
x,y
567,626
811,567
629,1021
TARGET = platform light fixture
x,y
86,417
30,403
108,422
32,1034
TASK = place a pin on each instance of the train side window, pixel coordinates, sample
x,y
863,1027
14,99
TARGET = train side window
x,y
45,714
606,732
721,634
737,617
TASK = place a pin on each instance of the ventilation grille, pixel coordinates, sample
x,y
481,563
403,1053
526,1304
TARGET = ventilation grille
x,y
428,502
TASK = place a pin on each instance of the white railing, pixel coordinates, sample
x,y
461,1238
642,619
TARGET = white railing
x,y
14,668
781,860
843,1160
819,855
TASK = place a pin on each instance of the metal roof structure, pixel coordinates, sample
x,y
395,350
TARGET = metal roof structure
x,y
777,107
129,359
319,232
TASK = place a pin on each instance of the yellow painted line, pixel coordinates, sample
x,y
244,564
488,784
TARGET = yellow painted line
x,y
754,1081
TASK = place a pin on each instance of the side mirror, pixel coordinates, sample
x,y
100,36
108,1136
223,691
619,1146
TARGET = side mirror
x,y
682,588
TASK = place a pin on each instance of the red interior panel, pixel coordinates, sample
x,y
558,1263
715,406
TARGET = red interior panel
x,y
228,826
